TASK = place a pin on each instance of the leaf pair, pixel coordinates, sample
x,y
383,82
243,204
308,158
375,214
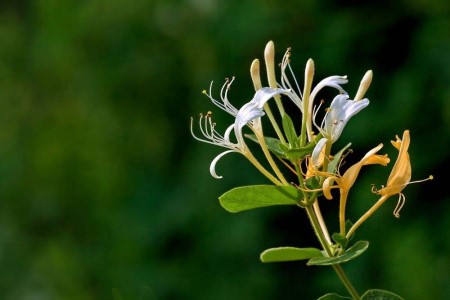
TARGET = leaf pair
x,y
315,256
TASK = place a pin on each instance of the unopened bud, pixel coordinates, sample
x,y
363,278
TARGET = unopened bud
x,y
255,74
364,85
269,57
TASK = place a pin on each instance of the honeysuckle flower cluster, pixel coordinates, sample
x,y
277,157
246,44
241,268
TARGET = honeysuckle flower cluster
x,y
308,153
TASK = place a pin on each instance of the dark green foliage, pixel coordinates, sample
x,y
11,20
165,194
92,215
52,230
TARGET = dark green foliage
x,y
351,253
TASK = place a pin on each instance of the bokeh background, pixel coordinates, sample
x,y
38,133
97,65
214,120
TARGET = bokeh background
x,y
102,186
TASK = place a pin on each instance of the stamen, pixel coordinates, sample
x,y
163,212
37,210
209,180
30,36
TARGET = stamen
x,y
431,177
400,204
285,83
315,112
327,111
294,184
374,189
229,84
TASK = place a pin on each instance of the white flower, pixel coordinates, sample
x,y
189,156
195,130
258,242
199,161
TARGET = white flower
x,y
249,114
297,94
338,114
252,111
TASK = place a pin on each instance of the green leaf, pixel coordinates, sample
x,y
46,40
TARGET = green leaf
x,y
380,295
333,297
249,197
340,239
289,131
289,254
357,249
274,145
292,152
296,154
312,183
334,163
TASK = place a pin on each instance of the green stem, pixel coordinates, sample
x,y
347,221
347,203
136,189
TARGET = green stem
x,y
318,230
343,277
337,267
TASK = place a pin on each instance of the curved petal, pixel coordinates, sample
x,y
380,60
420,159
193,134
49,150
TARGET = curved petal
x,y
401,172
340,112
254,109
349,177
212,167
317,155
265,94
328,185
332,81
355,107
378,160
227,133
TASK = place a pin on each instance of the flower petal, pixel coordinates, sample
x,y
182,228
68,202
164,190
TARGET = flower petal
x,y
317,156
349,177
212,167
331,81
340,112
401,172
328,185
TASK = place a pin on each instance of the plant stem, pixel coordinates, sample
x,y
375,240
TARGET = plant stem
x,y
318,230
343,277
337,267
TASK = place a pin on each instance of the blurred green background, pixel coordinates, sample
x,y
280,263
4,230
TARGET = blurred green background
x,y
103,187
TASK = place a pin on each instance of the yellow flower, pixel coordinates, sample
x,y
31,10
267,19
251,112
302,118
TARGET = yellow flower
x,y
400,175
399,178
401,172
345,182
